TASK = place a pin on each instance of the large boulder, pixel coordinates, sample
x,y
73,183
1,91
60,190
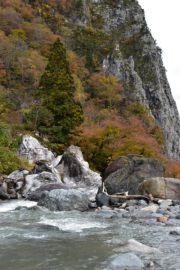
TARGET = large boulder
x,y
34,181
64,200
75,172
126,261
135,172
160,187
119,163
32,150
36,195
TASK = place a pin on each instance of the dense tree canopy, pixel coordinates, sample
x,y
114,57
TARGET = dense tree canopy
x,y
56,89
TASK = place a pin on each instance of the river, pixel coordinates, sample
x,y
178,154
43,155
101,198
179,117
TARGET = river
x,y
84,241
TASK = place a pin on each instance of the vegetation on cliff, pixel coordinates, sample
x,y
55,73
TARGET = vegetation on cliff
x,y
48,95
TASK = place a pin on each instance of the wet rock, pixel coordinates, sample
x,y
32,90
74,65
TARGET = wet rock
x,y
92,204
38,208
152,208
160,187
104,214
126,261
102,199
4,195
64,200
177,216
51,227
34,181
35,196
129,177
75,173
32,150
21,208
135,246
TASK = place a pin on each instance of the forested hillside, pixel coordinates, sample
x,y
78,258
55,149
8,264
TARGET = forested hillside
x,y
115,122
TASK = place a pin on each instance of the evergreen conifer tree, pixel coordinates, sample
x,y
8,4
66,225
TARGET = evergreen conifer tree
x,y
56,89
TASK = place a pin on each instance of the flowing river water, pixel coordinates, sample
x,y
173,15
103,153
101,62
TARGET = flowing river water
x,y
85,242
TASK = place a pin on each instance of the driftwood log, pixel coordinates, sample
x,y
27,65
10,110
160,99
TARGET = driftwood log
x,y
124,195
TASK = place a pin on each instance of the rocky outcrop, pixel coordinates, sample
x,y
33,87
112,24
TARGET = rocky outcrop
x,y
75,172
136,61
129,177
33,151
160,187
4,195
64,200
36,195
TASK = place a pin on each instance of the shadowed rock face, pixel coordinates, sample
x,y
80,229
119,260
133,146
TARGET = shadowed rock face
x,y
118,164
134,173
35,196
159,187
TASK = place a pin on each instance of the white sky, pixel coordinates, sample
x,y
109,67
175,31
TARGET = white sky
x,y
163,19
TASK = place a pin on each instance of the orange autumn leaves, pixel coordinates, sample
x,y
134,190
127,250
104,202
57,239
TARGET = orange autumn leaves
x,y
102,144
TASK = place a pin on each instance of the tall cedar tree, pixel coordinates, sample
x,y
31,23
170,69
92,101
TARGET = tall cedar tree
x,y
56,90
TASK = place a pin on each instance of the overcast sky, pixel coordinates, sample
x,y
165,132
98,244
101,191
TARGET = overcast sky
x,y
163,18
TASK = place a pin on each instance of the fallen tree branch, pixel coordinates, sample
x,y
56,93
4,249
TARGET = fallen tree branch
x,y
126,196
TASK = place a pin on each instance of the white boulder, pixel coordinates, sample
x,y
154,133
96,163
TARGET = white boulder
x,y
75,172
32,150
34,181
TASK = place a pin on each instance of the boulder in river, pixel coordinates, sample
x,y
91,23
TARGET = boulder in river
x,y
76,174
32,150
129,177
126,261
35,196
34,181
64,200
160,187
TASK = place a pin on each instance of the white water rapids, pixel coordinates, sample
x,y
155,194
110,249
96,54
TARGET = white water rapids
x,y
29,242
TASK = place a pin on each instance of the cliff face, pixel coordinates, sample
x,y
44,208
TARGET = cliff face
x,y
136,61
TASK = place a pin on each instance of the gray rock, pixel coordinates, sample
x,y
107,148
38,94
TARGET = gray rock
x,y
126,261
64,200
129,177
102,199
4,196
35,196
178,217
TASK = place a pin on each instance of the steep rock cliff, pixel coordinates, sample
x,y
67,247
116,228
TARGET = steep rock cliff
x,y
136,61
